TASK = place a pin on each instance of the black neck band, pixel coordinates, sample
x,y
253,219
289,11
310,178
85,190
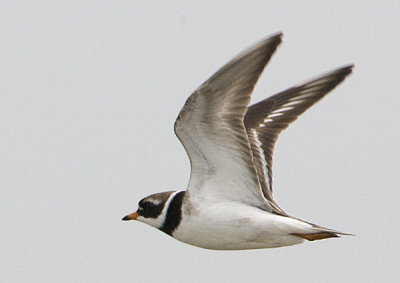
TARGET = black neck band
x,y
174,214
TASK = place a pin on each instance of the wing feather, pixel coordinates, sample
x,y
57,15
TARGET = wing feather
x,y
265,120
211,128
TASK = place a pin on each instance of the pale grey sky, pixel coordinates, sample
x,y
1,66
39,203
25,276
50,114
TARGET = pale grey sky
x,y
89,94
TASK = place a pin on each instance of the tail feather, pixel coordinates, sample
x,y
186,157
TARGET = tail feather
x,y
317,236
319,233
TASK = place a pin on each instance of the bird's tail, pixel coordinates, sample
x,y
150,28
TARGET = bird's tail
x,y
320,233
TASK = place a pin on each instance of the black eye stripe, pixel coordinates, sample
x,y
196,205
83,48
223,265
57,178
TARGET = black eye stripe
x,y
150,210
148,205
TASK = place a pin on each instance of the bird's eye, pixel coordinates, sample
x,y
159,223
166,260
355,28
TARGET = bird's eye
x,y
147,205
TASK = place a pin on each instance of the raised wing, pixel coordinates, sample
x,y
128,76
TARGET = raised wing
x,y
211,129
265,120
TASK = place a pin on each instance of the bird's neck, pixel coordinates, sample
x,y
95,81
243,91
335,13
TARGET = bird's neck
x,y
174,214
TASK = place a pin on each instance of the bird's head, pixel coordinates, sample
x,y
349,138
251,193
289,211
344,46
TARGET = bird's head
x,y
152,209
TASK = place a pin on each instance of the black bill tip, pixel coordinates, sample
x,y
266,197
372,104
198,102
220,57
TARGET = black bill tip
x,y
126,218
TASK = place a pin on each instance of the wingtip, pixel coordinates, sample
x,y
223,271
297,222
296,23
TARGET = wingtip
x,y
347,69
271,42
272,39
346,234
278,34
275,37
341,72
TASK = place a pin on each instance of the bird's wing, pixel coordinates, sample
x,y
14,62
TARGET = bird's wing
x,y
211,128
265,120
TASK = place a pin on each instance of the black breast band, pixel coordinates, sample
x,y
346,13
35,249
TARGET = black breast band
x,y
174,214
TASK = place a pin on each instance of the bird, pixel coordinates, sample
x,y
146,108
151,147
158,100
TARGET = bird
x,y
228,203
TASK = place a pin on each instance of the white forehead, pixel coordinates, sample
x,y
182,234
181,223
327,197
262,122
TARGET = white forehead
x,y
155,200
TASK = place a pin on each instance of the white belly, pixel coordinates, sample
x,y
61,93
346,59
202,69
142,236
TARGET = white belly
x,y
232,226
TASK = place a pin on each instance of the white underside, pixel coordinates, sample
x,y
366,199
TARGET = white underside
x,y
234,226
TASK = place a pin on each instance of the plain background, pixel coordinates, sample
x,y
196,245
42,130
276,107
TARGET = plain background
x,y
89,94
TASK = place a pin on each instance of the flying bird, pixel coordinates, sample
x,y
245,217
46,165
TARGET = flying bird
x,y
229,204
